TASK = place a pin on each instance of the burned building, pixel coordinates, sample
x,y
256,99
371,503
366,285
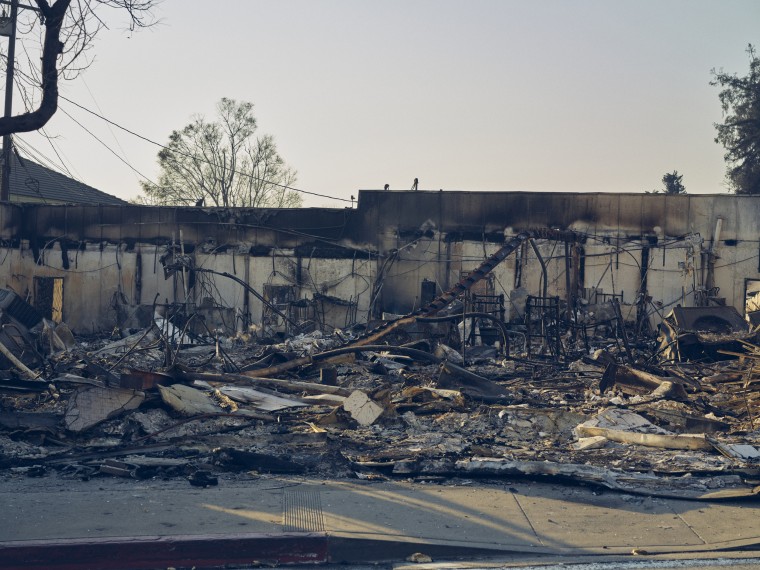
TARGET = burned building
x,y
98,267
443,334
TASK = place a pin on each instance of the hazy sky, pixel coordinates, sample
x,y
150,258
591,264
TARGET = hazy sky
x,y
576,96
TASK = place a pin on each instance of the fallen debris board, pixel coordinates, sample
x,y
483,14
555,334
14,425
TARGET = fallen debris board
x,y
75,379
687,423
188,401
625,426
261,400
737,450
637,382
457,378
362,409
32,420
593,442
116,468
90,406
262,462
19,385
670,391
121,346
17,363
144,379
663,441
280,384
324,400
694,488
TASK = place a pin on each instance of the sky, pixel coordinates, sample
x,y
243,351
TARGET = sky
x,y
475,95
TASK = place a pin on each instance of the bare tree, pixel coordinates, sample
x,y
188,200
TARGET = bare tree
x,y
222,163
67,31
263,166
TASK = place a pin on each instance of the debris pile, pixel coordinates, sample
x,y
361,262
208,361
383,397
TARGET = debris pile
x,y
160,404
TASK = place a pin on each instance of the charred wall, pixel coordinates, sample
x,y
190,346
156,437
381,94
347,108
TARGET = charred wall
x,y
109,254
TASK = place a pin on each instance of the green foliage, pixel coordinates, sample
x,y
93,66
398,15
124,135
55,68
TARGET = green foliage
x,y
739,133
222,163
673,183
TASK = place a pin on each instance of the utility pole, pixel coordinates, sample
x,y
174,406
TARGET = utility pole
x,y
5,182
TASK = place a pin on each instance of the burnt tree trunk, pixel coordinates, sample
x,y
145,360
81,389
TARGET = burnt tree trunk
x,y
53,16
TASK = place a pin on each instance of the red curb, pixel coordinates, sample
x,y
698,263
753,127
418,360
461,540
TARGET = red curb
x,y
144,552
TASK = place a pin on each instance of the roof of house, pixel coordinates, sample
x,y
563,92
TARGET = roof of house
x,y
32,182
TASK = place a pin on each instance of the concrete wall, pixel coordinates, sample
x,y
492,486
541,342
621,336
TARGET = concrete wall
x,y
615,229
335,254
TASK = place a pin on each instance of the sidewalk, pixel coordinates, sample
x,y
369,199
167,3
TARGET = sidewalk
x,y
113,523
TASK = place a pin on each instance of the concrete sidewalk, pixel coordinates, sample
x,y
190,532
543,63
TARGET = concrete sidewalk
x,y
113,523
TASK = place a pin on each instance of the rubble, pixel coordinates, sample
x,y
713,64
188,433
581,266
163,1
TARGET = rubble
x,y
169,401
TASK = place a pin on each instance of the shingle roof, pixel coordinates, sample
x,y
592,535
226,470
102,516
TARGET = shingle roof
x,y
32,182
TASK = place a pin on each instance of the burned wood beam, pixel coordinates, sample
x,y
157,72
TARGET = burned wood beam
x,y
17,363
662,441
637,382
472,385
327,355
621,329
293,385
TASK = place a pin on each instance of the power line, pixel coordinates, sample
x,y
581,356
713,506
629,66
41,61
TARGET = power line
x,y
146,139
28,108
106,146
92,95
27,103
31,181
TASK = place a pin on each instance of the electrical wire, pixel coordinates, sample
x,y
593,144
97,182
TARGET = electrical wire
x,y
28,108
116,140
133,133
106,146
164,147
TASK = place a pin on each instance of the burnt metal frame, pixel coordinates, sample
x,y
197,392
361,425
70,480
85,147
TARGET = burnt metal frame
x,y
547,311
